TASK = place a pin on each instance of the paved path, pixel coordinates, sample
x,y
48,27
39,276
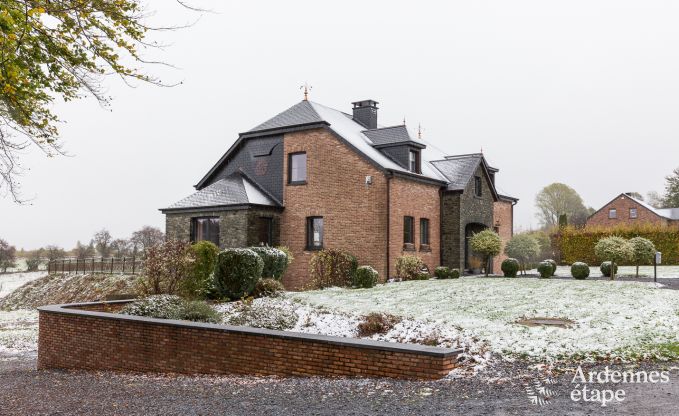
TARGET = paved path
x,y
25,391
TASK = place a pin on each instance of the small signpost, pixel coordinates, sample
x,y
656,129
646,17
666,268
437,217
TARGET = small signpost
x,y
656,261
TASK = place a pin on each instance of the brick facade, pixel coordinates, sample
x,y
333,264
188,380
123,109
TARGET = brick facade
x,y
417,200
354,214
503,222
622,204
86,338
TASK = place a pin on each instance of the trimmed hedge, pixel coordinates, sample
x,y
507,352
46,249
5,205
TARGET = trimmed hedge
x,y
554,265
275,261
510,267
578,244
580,270
332,267
198,283
606,268
443,272
237,272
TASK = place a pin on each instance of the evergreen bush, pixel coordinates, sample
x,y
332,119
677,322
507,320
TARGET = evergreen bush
x,y
237,272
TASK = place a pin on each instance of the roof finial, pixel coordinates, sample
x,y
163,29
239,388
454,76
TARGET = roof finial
x,y
404,120
419,131
481,149
306,89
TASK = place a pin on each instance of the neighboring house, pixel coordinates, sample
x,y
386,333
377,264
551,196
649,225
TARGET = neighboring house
x,y
313,177
627,210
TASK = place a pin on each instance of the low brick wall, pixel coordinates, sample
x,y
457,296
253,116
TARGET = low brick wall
x,y
84,336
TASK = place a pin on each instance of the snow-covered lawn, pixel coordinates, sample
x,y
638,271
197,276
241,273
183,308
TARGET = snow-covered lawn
x,y
626,320
18,329
664,272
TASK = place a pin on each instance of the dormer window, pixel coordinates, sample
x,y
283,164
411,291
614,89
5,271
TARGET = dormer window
x,y
414,161
478,189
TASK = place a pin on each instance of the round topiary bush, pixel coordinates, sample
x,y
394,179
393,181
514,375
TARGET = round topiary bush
x,y
442,272
580,270
422,276
366,277
275,261
606,268
454,273
237,272
545,269
554,265
268,288
510,267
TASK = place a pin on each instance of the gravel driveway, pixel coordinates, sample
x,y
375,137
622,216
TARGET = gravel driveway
x,y
26,391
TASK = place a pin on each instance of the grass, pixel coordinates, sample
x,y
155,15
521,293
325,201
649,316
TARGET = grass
x,y
617,320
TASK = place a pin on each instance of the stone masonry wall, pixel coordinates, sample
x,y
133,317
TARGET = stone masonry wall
x,y
78,339
450,231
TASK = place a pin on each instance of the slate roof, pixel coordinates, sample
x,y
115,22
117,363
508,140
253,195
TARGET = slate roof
x,y
458,170
669,213
387,136
234,190
306,112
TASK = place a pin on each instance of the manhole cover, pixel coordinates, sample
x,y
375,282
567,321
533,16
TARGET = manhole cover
x,y
561,323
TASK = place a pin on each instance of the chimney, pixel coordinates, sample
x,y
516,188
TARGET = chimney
x,y
365,112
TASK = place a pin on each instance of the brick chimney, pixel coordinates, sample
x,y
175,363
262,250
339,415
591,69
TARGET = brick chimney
x,y
365,112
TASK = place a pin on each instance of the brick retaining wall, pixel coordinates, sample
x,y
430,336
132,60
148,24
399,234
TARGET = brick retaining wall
x,y
81,336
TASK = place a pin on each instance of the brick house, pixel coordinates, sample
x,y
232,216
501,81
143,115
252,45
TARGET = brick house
x,y
624,209
313,177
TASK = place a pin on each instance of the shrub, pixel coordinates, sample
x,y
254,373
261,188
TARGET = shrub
x,y
268,288
545,269
288,254
332,267
409,267
606,268
258,315
366,277
198,283
275,261
554,265
172,307
614,249
523,247
167,266
580,270
446,273
643,251
33,264
422,276
488,244
237,272
510,267
376,323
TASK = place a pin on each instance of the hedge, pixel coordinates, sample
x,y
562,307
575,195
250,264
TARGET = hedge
x,y
578,244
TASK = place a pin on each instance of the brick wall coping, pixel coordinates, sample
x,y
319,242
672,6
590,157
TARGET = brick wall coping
x,y
73,309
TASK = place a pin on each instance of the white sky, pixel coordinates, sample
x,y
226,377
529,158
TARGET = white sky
x,y
581,92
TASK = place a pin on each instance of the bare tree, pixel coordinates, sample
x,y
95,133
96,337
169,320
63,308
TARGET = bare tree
x,y
146,238
54,252
82,251
558,199
121,247
8,255
102,242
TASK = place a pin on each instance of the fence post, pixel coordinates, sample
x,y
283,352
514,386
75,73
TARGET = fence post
x,y
111,265
102,264
134,263
124,258
63,262
92,265
77,261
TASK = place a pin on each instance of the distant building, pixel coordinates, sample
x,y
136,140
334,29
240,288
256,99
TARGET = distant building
x,y
627,210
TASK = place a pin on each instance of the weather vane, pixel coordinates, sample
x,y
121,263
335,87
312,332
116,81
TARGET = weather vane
x,y
404,120
419,131
306,89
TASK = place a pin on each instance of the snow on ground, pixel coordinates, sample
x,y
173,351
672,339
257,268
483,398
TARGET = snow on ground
x,y
625,320
18,329
664,272
11,281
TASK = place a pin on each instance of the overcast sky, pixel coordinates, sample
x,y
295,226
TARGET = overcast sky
x,y
580,92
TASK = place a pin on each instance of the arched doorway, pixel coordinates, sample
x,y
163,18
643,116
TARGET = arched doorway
x,y
472,261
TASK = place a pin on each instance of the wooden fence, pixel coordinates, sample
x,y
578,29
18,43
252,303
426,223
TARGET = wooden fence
x,y
100,265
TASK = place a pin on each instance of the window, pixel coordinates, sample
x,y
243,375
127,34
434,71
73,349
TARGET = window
x,y
314,233
414,161
205,229
478,190
424,231
633,213
408,230
612,213
265,231
297,168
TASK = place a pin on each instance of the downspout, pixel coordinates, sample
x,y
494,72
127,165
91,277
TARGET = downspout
x,y
389,176
441,227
